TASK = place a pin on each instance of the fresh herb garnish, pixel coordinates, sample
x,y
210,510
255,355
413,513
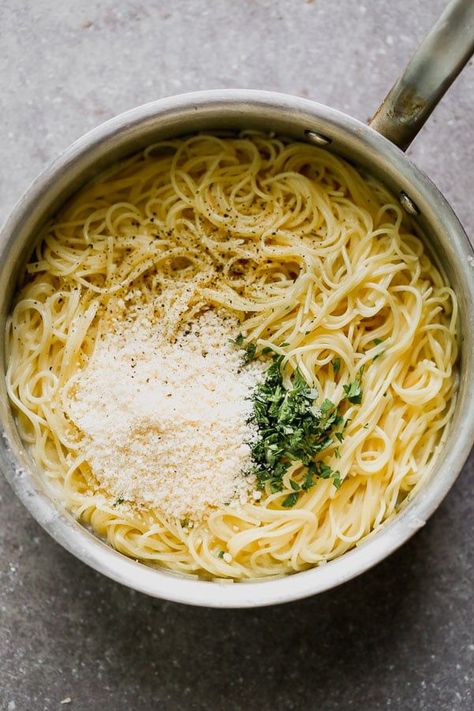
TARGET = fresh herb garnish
x,y
119,501
292,428
250,348
353,391
336,364
250,352
336,480
290,500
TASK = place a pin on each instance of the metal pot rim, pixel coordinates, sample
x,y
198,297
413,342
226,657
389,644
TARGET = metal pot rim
x,y
90,549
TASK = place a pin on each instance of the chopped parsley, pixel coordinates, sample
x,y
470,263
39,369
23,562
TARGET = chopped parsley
x,y
353,391
290,500
336,480
250,352
250,349
336,364
119,501
293,428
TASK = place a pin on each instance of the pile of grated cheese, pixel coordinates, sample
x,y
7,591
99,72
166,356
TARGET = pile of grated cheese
x,y
164,422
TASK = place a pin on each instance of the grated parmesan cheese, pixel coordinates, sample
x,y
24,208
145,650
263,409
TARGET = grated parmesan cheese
x,y
165,423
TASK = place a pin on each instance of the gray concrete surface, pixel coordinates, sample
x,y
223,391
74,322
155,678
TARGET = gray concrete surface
x,y
399,637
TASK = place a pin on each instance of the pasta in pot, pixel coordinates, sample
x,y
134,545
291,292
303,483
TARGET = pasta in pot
x,y
316,262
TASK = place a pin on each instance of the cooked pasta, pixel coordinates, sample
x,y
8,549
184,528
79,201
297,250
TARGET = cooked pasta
x,y
314,261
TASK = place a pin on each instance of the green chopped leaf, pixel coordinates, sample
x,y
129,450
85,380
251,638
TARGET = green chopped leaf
x,y
250,352
325,471
250,348
337,481
326,406
353,391
119,501
291,427
290,500
220,554
308,481
336,365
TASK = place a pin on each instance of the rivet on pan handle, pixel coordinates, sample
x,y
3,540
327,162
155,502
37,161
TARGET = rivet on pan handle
x,y
431,71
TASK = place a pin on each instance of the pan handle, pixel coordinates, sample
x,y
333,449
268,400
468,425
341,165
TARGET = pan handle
x,y
431,71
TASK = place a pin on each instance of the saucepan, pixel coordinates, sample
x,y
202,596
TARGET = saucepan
x,y
377,148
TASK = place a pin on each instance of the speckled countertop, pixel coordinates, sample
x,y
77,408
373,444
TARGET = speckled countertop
x,y
399,637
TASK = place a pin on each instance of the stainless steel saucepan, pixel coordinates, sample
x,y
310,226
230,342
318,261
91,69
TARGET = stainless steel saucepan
x,y
377,148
